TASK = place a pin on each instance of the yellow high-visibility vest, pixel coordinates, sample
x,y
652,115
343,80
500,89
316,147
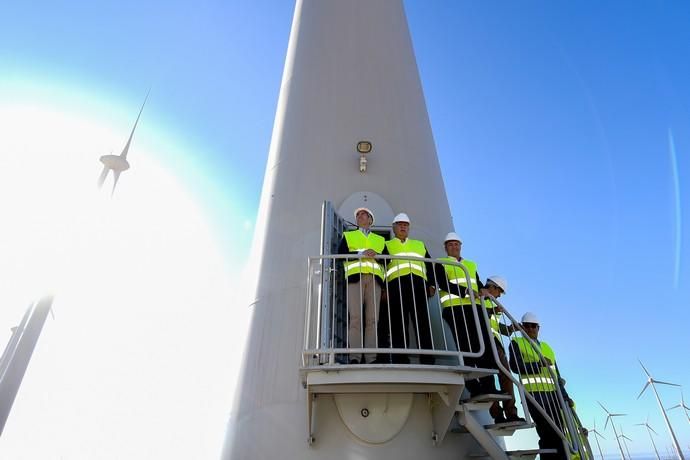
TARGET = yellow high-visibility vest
x,y
456,275
410,248
541,381
493,318
357,241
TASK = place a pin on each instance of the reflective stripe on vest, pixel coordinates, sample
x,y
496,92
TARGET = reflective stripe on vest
x,y
493,318
358,241
456,275
542,381
410,248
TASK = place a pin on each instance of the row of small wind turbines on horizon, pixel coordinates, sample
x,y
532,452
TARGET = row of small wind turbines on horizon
x,y
622,438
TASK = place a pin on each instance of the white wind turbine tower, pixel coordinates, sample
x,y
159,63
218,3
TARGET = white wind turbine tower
x,y
650,430
609,416
597,435
683,406
624,438
650,382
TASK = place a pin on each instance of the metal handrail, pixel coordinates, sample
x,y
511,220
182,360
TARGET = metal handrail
x,y
572,439
324,303
322,272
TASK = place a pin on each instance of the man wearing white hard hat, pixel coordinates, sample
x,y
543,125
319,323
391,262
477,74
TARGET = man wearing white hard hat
x,y
455,286
540,379
409,283
364,276
496,286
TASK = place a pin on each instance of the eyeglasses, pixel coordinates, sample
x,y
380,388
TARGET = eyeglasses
x,y
530,325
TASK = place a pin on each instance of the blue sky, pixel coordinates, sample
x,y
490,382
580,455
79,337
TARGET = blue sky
x,y
554,124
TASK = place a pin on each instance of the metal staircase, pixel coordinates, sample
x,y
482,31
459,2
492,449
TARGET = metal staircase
x,y
486,435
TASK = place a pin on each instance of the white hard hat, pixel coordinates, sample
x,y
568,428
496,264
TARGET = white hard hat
x,y
452,236
367,210
402,217
530,317
498,281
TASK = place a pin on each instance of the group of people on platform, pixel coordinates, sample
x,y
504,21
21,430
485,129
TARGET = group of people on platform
x,y
395,291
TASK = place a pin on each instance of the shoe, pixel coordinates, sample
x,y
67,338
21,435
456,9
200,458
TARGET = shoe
x,y
514,418
500,419
473,388
487,386
490,391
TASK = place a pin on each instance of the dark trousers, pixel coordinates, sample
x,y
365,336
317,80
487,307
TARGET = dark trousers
x,y
548,437
407,301
506,386
463,327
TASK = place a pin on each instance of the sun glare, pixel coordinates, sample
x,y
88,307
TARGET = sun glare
x,y
138,361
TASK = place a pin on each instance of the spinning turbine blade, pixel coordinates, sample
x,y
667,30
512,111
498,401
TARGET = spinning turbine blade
x,y
116,175
644,388
665,383
131,135
645,369
602,406
102,177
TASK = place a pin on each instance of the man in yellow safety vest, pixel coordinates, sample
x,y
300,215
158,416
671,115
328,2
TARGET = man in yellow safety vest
x,y
497,286
459,312
364,276
409,283
540,380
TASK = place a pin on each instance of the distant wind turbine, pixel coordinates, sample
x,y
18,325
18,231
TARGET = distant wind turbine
x,y
650,430
609,416
650,382
682,405
119,163
597,435
624,437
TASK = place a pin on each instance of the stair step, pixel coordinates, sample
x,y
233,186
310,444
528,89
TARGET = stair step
x,y
527,454
481,402
498,429
489,397
507,428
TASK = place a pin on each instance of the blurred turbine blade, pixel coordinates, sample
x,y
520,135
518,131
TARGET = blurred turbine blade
x,y
644,388
674,407
652,430
607,421
602,406
645,369
102,177
125,151
116,175
665,383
